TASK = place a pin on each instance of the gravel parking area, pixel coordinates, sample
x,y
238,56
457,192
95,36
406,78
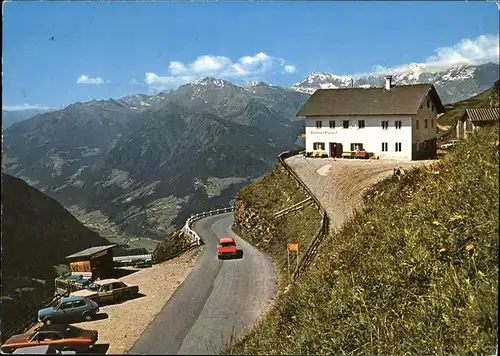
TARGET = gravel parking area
x,y
125,322
339,184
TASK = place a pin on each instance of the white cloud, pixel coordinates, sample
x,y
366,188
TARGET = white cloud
x,y
161,83
217,66
209,64
24,107
84,79
133,81
177,68
480,50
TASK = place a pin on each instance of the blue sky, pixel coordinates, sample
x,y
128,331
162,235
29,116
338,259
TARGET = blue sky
x,y
103,49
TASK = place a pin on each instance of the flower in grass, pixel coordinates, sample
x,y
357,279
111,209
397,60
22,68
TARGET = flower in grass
x,y
469,247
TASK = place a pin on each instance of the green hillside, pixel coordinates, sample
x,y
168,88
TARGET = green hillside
x,y
456,110
416,272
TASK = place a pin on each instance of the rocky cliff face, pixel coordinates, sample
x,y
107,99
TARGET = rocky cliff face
x,y
495,95
253,223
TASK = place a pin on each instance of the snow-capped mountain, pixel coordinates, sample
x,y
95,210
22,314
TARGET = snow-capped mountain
x,y
453,84
142,101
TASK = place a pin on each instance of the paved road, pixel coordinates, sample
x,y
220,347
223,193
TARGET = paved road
x,y
217,299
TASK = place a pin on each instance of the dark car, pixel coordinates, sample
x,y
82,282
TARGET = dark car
x,y
69,309
62,337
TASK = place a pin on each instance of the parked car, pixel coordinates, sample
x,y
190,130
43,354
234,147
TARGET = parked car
x,y
69,309
108,291
60,336
227,248
71,282
41,350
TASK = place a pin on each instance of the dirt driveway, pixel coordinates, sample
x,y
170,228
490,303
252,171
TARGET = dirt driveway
x,y
340,184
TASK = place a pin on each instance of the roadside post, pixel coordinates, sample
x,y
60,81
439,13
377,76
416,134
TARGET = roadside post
x,y
292,247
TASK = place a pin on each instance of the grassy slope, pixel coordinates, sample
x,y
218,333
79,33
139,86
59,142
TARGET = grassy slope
x,y
275,192
456,110
416,272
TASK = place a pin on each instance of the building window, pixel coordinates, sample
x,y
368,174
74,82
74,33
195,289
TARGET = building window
x,y
319,124
319,146
398,146
356,146
385,125
417,146
425,145
427,103
432,108
361,124
332,124
384,147
432,123
425,123
398,124
345,124
416,124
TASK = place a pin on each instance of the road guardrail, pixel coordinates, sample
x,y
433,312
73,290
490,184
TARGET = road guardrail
x,y
195,238
312,248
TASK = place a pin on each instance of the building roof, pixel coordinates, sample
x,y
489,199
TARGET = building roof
x,y
90,251
399,100
483,115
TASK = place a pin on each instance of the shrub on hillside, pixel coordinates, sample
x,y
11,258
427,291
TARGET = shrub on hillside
x,y
417,272
172,246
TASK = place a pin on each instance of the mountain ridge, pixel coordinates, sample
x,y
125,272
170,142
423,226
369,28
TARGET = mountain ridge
x,y
189,149
453,84
146,162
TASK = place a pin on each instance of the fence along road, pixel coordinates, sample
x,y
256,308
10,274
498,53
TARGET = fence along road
x,y
218,298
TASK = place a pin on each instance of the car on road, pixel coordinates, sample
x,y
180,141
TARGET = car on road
x,y
227,248
108,291
41,350
69,309
62,337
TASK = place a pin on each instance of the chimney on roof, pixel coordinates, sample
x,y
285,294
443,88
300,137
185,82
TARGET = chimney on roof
x,y
388,82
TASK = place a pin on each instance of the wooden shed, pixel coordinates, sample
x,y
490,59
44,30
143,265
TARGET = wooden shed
x,y
98,260
474,119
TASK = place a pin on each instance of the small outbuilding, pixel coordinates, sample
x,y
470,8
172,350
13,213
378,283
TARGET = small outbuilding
x,y
98,260
476,118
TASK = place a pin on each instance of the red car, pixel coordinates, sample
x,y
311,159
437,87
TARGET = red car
x,y
227,248
60,336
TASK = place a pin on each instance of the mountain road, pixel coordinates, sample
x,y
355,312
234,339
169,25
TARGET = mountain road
x,y
217,301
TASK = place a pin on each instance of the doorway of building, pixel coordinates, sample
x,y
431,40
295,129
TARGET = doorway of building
x,y
335,149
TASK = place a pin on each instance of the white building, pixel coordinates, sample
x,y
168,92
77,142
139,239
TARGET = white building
x,y
391,122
